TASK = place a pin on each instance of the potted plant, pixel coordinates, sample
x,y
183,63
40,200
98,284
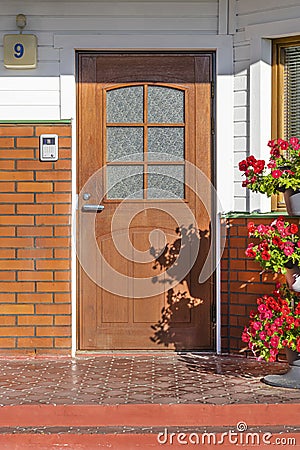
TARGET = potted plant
x,y
277,249
275,326
280,174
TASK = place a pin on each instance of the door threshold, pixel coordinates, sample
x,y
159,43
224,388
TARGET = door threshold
x,y
143,352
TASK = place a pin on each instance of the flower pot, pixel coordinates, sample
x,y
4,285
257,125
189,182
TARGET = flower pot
x,y
292,201
291,379
292,277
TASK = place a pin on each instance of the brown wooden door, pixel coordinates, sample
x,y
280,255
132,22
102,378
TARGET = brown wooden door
x,y
144,128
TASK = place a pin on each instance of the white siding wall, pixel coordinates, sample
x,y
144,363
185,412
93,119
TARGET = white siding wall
x,y
35,94
251,12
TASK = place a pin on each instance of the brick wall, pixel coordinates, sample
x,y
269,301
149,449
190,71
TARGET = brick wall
x,y
35,226
242,282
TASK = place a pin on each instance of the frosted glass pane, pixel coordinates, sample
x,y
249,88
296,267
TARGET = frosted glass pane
x,y
165,105
165,144
125,105
165,181
125,143
124,181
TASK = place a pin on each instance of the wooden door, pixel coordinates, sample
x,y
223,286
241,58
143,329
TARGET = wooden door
x,y
144,128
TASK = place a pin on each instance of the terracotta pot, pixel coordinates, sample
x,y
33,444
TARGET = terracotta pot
x,y
291,379
293,357
292,277
292,201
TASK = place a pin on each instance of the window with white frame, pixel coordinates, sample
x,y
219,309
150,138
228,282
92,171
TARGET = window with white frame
x,y
286,94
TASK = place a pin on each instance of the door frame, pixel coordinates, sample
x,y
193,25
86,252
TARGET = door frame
x,y
223,46
212,158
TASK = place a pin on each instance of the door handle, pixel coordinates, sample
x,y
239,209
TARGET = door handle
x,y
93,208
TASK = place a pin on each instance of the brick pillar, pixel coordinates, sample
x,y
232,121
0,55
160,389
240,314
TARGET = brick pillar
x,y
35,228
242,282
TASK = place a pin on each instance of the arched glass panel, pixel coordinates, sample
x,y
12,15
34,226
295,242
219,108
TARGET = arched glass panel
x,y
125,105
165,105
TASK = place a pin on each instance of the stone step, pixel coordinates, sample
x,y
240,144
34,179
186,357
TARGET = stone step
x,y
149,426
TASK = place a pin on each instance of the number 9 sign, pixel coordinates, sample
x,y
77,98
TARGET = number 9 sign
x,y
20,51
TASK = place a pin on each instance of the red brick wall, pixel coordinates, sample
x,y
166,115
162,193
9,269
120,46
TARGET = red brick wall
x,y
35,227
242,282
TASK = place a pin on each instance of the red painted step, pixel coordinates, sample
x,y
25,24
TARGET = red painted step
x,y
151,415
144,441
262,418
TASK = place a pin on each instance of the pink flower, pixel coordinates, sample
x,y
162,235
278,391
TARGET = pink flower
x,y
245,335
256,326
273,354
262,308
274,341
294,141
272,164
263,335
288,248
262,229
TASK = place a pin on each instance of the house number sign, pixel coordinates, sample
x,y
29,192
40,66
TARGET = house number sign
x,y
20,51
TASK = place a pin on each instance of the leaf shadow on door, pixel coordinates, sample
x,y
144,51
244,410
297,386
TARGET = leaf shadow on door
x,y
183,321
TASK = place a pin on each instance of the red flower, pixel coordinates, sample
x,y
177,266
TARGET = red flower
x,y
243,165
276,173
284,145
251,160
250,253
277,241
251,227
275,152
259,166
265,255
271,143
294,228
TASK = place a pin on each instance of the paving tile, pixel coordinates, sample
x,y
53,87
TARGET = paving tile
x,y
151,378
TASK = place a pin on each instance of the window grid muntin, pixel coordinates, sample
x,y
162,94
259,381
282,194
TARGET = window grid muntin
x,y
146,125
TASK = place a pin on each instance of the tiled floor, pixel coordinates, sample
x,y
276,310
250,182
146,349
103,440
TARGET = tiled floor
x,y
120,379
